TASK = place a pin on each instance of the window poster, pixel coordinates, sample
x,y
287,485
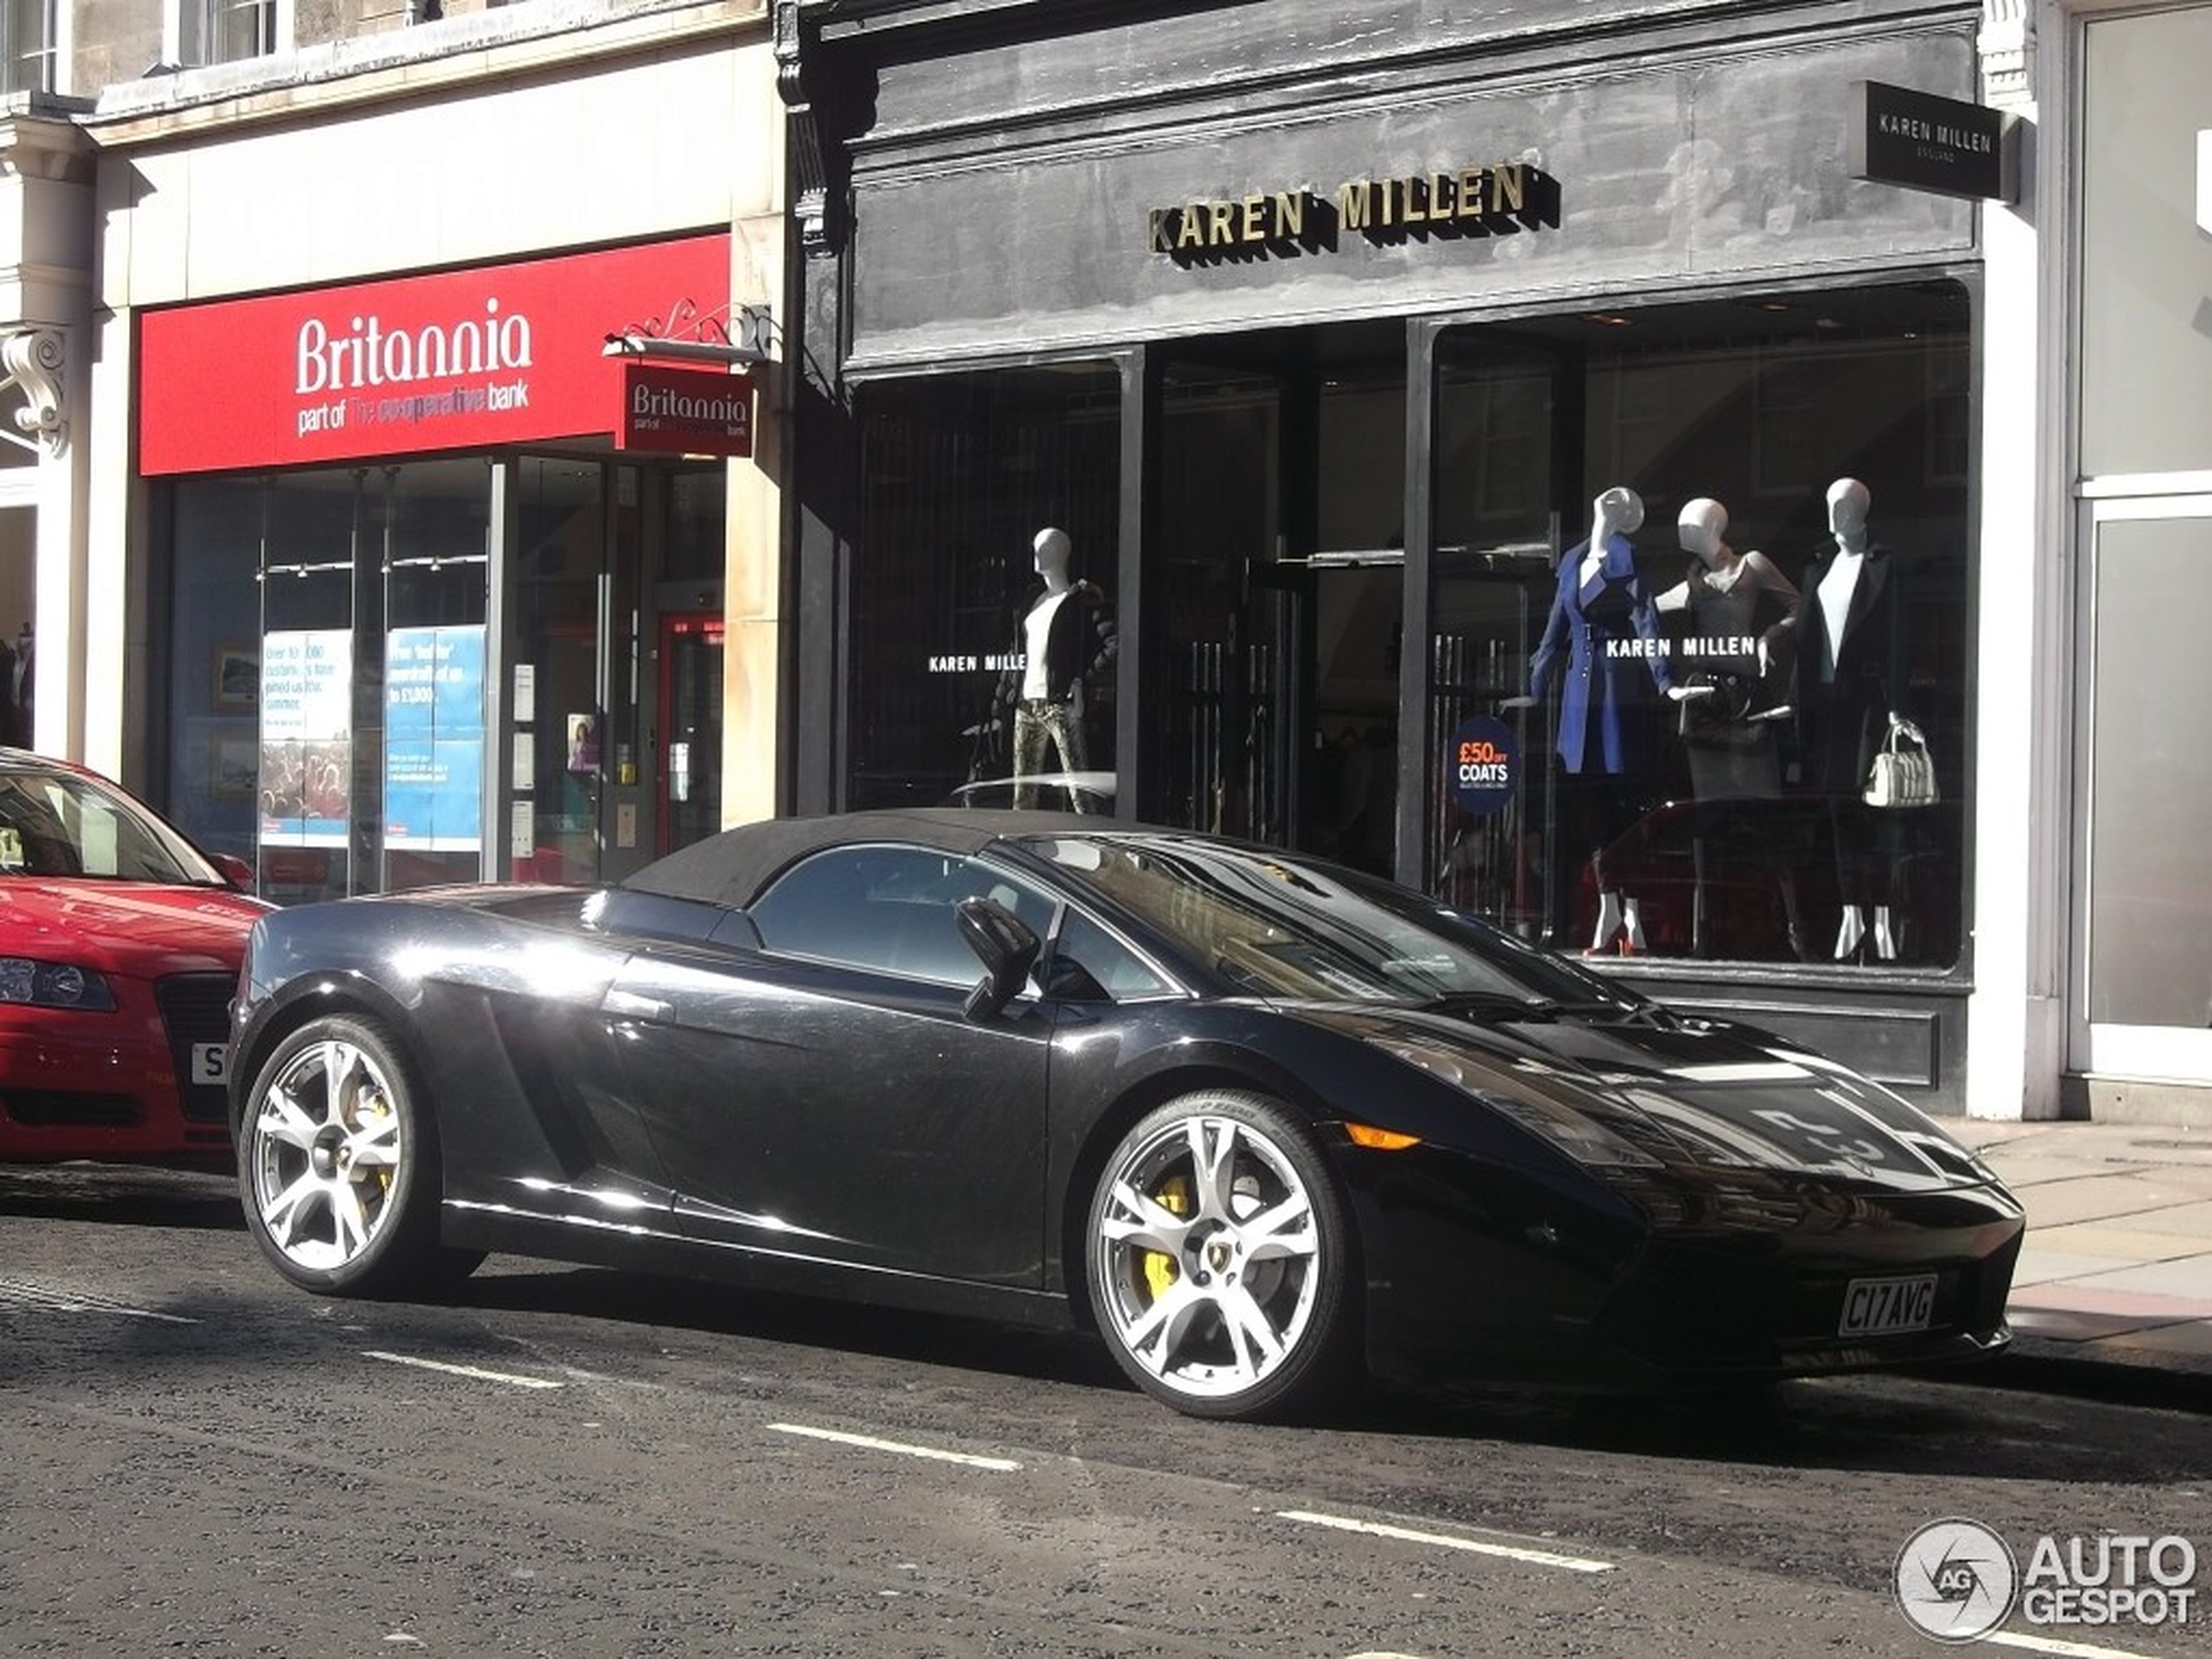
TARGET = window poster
x,y
306,737
433,739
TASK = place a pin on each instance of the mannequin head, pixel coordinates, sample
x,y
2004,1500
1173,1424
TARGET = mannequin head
x,y
1702,526
1051,547
1848,501
1617,511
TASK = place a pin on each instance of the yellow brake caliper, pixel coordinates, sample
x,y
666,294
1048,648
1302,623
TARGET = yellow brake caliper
x,y
370,1103
1160,1270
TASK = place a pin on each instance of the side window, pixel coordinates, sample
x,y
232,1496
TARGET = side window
x,y
889,909
1098,959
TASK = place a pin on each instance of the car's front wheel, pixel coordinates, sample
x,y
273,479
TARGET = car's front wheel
x,y
338,1165
1221,1260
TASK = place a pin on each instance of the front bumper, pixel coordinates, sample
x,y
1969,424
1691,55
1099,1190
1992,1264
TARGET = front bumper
x,y
1516,1277
124,1086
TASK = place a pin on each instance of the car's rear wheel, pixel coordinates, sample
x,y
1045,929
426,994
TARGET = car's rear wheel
x,y
338,1165
1222,1262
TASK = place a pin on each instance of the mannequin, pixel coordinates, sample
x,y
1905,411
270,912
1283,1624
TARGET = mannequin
x,y
1728,705
20,694
1847,692
1724,593
1605,698
11,729
1065,637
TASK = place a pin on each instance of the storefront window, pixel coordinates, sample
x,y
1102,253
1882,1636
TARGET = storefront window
x,y
214,691
332,669
983,637
1692,563
326,679
699,521
2146,244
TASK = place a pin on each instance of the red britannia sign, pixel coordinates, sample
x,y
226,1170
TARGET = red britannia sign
x,y
495,355
684,411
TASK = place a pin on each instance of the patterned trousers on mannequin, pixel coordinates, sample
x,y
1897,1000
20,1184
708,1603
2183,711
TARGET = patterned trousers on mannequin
x,y
1038,721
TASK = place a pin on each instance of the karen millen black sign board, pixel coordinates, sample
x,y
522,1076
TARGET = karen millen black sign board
x,y
1923,142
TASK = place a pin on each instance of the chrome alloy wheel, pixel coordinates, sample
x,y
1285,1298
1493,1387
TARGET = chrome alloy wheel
x,y
324,1151
1209,1255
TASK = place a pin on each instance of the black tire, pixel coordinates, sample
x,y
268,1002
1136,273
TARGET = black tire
x,y
338,1165
1229,1295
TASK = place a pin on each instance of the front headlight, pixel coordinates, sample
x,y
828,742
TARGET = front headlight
x,y
35,984
1577,1134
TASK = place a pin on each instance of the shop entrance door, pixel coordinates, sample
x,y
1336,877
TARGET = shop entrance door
x,y
689,785
2142,993
1281,486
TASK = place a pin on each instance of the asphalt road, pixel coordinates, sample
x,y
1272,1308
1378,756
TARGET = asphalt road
x,y
196,1458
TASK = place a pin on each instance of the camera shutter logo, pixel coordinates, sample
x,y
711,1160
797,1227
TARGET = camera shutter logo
x,y
1955,1579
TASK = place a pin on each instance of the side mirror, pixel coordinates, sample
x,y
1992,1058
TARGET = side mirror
x,y
235,870
1003,943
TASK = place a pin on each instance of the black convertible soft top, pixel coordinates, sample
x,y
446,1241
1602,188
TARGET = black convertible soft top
x,y
732,867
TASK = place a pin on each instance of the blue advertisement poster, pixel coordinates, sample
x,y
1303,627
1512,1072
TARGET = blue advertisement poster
x,y
307,737
433,739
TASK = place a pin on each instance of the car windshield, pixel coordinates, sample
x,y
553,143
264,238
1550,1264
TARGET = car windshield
x,y
1280,926
60,824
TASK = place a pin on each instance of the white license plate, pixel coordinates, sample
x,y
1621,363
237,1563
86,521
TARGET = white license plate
x,y
1876,1307
208,1063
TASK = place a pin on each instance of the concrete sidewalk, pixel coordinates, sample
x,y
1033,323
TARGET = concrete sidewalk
x,y
2117,1267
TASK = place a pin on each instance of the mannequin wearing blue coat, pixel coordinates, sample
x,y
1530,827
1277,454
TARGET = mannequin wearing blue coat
x,y
1606,694
1602,642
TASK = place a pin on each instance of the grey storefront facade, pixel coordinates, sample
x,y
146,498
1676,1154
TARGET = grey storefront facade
x,y
1324,334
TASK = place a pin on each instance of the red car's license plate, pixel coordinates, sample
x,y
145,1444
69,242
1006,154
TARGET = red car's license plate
x,y
1879,1306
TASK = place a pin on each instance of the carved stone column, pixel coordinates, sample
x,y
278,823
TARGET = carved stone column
x,y
809,185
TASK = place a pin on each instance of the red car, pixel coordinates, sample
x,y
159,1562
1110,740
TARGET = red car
x,y
119,951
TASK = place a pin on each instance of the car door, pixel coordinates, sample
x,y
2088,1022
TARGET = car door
x,y
827,1097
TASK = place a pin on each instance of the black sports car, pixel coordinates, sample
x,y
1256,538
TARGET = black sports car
x,y
1258,1119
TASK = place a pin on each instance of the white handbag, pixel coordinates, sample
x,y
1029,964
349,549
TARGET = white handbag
x,y
1904,773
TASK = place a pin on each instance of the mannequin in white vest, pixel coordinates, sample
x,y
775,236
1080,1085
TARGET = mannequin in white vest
x,y
1066,637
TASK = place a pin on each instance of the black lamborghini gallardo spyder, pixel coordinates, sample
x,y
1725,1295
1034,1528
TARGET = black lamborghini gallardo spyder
x,y
1261,1121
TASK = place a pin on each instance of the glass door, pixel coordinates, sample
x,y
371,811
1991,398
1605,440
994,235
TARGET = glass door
x,y
1349,739
560,752
2143,977
311,769
1282,535
431,516
1221,528
689,801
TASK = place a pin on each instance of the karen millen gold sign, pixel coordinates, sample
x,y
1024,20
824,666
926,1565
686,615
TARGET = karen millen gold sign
x,y
1462,201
